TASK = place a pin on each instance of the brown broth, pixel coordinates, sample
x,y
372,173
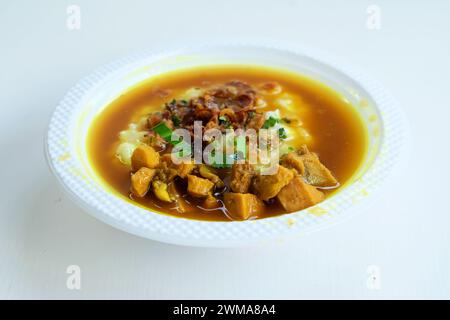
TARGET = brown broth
x,y
338,132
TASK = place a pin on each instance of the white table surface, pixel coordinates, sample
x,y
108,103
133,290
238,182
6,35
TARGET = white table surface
x,y
405,232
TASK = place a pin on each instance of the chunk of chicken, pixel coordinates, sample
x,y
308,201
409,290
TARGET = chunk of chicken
x,y
210,174
144,156
256,121
242,206
308,165
294,161
298,195
241,177
140,181
268,186
316,173
181,169
199,187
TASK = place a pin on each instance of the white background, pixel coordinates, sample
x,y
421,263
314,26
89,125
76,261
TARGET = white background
x,y
405,232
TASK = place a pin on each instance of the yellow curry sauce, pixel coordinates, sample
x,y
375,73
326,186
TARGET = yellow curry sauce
x,y
337,134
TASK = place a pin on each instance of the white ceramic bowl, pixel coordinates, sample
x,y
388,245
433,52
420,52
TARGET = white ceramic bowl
x,y
67,156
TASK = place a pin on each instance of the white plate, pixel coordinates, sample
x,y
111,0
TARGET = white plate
x,y
66,142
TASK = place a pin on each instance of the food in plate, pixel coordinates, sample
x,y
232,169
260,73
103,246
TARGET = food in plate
x,y
225,143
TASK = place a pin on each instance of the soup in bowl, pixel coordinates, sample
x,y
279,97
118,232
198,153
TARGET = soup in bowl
x,y
320,143
223,145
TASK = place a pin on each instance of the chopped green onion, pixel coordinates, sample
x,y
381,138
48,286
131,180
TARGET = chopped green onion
x,y
164,131
282,133
269,123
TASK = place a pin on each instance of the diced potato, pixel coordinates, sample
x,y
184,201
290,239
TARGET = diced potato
x,y
298,195
242,205
199,187
144,156
160,191
140,181
210,202
268,186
